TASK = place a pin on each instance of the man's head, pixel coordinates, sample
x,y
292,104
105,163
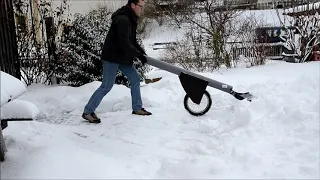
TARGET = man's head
x,y
136,6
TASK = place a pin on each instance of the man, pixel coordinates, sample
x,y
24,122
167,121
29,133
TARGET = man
x,y
119,50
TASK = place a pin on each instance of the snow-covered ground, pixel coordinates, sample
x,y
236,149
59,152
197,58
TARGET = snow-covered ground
x,y
275,136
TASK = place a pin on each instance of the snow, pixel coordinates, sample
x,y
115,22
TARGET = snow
x,y
11,87
269,17
275,136
161,34
19,109
11,106
85,7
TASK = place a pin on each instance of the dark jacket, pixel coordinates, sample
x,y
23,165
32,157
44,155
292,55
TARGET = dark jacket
x,y
121,45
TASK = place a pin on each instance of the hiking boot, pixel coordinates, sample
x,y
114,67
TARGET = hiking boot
x,y
92,117
142,112
147,81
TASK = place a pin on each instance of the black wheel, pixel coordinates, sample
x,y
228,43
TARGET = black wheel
x,y
198,109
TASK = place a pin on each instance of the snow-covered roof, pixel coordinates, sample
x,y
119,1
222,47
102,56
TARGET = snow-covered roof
x,y
11,87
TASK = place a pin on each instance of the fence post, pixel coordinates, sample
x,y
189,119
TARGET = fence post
x,y
15,54
8,43
50,28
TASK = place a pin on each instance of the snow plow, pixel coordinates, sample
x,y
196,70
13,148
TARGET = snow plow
x,y
189,80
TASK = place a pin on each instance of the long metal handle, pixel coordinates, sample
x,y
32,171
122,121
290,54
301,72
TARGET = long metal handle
x,y
177,70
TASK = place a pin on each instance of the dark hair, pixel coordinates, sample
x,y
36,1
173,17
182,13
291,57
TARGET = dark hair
x,y
133,1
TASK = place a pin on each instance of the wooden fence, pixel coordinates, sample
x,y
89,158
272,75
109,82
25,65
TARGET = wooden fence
x,y
271,51
8,42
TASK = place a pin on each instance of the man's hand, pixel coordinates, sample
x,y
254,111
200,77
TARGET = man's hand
x,y
143,59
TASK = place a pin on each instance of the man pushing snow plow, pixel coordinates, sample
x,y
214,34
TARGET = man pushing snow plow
x,y
119,50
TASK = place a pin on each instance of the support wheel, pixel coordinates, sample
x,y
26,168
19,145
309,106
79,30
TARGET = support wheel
x,y
198,109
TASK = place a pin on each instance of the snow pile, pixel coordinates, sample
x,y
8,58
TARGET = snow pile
x,y
19,109
275,136
11,87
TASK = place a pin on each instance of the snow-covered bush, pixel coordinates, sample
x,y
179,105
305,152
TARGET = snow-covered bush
x,y
302,31
191,52
83,40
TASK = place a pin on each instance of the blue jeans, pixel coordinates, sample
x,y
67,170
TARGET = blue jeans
x,y
108,79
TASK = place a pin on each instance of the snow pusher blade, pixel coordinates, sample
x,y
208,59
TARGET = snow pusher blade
x,y
242,96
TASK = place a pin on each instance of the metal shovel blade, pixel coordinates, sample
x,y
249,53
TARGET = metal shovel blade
x,y
242,96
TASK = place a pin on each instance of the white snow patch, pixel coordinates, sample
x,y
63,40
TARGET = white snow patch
x,y
11,87
276,136
19,109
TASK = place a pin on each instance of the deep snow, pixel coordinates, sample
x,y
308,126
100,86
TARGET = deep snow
x,y
275,136
13,87
12,108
